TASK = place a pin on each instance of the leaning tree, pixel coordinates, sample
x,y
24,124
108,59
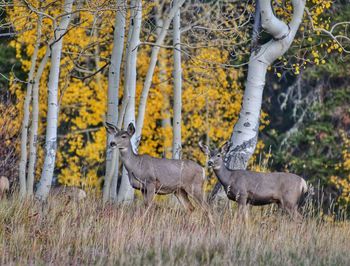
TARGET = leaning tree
x,y
245,131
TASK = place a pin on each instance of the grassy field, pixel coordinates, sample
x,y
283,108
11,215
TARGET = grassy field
x,y
63,232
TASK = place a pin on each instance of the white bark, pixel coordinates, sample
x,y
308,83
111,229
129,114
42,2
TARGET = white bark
x,y
113,100
166,121
177,87
126,192
33,138
245,132
150,71
97,50
163,83
52,114
26,114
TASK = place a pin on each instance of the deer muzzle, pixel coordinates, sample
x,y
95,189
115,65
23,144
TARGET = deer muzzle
x,y
113,144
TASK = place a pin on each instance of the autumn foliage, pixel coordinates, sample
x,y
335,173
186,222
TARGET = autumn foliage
x,y
213,78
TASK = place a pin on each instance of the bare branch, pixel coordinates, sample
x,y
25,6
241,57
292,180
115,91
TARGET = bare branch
x,y
330,32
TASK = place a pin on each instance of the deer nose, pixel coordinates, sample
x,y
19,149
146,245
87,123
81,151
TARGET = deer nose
x,y
210,163
113,144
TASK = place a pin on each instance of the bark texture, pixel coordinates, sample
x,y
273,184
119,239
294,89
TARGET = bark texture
x,y
52,114
163,83
245,131
151,68
126,192
26,115
33,138
113,97
177,86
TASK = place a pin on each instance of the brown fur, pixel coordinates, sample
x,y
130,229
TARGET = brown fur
x,y
255,188
72,193
184,178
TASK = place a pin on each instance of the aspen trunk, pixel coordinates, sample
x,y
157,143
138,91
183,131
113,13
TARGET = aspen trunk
x,y
52,114
165,112
26,114
126,192
163,83
177,87
150,71
245,131
113,99
33,137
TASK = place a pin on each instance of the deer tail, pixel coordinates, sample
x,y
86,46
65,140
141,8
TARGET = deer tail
x,y
306,193
303,186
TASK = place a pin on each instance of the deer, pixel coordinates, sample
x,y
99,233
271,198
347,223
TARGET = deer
x,y
256,188
72,193
4,186
151,175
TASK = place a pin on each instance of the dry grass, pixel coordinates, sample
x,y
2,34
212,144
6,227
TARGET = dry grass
x,y
64,232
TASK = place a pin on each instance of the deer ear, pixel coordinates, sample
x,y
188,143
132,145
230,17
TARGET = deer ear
x,y
131,129
111,129
225,148
204,148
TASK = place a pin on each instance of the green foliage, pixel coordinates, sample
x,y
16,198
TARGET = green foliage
x,y
8,64
318,149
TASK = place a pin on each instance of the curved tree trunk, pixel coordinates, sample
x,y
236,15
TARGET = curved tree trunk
x,y
113,98
126,192
52,114
26,113
245,132
177,86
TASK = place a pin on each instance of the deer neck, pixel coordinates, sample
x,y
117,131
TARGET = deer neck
x,y
128,157
223,174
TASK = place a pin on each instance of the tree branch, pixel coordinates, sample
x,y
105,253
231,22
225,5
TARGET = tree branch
x,y
330,32
92,74
274,26
150,71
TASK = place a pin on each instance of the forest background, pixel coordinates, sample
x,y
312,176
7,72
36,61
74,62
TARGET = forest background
x,y
306,114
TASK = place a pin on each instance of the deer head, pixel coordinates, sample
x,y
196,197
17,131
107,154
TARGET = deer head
x,y
121,138
216,156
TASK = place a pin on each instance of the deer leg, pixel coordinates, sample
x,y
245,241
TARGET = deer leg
x,y
245,213
293,213
198,197
242,213
148,194
296,215
183,198
242,209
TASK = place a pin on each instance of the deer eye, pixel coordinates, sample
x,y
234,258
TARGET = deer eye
x,y
123,137
219,155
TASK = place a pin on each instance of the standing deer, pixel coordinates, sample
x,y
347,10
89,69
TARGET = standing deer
x,y
152,176
247,187
72,193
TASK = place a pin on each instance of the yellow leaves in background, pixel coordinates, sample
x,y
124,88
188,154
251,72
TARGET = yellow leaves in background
x,y
343,183
312,46
211,96
82,103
